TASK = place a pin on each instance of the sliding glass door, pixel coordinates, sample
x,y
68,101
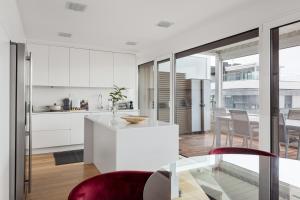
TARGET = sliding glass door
x,y
285,85
217,94
146,89
164,90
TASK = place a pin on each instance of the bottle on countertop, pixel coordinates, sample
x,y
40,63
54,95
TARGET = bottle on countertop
x,y
84,104
130,104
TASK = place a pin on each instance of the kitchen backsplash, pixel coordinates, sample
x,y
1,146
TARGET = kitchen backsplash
x,y
45,96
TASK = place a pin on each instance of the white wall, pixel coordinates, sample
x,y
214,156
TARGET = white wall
x,y
10,29
229,24
4,114
10,20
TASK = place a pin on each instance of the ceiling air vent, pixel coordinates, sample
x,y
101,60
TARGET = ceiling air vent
x,y
164,24
130,43
66,35
78,7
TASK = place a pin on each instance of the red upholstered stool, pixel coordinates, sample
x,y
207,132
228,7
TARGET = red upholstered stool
x,y
120,185
240,150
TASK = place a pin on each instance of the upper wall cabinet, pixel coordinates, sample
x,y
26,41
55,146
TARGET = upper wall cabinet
x,y
70,67
101,69
40,61
125,70
59,66
79,68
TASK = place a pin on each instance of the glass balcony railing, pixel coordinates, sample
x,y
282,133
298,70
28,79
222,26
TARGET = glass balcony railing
x,y
239,76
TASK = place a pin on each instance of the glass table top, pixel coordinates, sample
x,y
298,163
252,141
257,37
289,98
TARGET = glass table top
x,y
226,177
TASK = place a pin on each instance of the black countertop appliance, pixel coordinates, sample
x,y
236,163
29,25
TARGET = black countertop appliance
x,y
67,104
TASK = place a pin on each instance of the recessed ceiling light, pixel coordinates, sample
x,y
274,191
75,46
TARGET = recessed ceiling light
x,y
131,43
75,6
164,24
66,35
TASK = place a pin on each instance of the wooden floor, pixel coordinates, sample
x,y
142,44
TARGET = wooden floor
x,y
51,182
200,144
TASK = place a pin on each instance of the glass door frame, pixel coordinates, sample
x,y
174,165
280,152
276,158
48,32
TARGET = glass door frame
x,y
162,59
270,67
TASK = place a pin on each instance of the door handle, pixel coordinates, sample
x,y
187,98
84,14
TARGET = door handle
x,y
29,131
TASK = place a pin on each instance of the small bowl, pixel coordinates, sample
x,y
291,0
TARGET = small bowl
x,y
55,108
134,119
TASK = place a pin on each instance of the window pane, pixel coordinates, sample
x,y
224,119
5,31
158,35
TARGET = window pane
x,y
146,89
193,94
240,83
163,86
289,89
217,98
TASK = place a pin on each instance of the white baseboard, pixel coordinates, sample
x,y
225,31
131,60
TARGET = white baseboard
x,y
57,149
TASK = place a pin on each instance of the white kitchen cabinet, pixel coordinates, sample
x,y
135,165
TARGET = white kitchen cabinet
x,y
62,129
125,70
59,66
45,139
50,130
77,128
79,68
51,121
101,69
40,64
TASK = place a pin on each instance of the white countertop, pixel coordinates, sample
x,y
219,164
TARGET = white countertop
x,y
83,111
118,123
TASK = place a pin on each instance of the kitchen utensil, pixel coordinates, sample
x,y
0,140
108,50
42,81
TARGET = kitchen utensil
x,y
67,104
55,107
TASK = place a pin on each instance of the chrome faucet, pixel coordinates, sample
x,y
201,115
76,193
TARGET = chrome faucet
x,y
100,102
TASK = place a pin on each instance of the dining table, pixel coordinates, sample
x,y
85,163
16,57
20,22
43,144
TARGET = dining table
x,y
226,177
290,124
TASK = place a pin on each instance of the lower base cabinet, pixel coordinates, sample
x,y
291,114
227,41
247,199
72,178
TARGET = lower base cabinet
x,y
64,129
44,139
53,130
77,129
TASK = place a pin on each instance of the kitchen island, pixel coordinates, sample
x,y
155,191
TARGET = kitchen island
x,y
113,144
63,131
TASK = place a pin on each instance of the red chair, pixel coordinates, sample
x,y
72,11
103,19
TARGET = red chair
x,y
240,150
120,185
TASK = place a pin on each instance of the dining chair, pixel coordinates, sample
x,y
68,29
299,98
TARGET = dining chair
x,y
224,124
240,150
285,137
241,127
294,114
120,185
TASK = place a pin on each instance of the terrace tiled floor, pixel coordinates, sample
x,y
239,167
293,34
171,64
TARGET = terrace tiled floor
x,y
200,144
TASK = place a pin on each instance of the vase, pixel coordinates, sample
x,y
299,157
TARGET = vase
x,y
115,110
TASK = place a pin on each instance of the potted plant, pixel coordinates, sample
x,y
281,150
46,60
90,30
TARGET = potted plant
x,y
116,96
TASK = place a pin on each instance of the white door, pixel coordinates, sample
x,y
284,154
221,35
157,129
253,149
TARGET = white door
x,y
125,70
101,69
79,68
59,66
40,63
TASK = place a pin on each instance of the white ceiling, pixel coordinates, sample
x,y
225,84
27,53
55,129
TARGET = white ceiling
x,y
109,24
